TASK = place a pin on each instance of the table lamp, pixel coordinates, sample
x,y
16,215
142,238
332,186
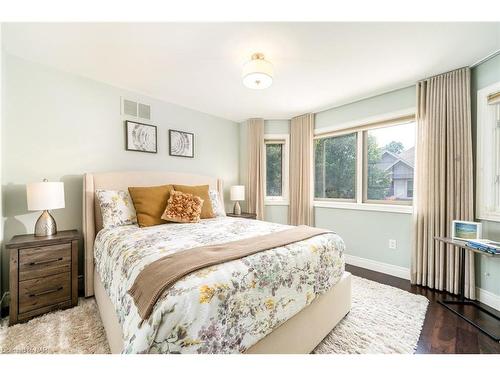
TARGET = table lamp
x,y
44,196
237,194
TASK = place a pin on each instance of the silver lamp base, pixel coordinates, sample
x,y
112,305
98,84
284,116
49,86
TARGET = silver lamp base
x,y
45,225
237,208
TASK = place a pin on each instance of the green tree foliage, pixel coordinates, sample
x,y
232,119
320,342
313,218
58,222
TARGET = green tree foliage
x,y
335,168
395,147
379,181
274,162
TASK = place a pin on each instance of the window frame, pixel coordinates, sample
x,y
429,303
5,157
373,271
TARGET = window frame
x,y
361,128
486,145
356,168
282,200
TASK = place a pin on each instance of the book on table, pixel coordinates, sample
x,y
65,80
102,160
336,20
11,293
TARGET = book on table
x,y
489,246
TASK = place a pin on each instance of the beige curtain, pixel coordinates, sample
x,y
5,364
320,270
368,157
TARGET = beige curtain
x,y
255,190
301,155
444,181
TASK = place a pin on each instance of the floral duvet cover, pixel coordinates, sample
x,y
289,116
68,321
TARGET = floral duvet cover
x,y
220,309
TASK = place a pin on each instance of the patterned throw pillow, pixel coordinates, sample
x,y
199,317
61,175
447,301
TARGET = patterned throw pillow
x,y
202,192
117,208
217,206
183,208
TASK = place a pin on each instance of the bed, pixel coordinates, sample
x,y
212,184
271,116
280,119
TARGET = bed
x,y
283,300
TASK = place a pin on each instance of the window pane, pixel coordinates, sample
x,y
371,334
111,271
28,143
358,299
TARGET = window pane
x,y
335,167
391,158
274,173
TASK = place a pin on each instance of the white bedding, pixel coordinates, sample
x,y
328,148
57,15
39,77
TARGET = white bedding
x,y
221,309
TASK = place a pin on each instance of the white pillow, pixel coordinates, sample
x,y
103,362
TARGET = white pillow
x,y
217,206
117,208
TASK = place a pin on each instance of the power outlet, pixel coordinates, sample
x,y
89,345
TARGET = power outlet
x,y
393,245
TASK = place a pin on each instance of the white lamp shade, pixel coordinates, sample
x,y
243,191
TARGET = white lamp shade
x,y
238,193
45,195
257,73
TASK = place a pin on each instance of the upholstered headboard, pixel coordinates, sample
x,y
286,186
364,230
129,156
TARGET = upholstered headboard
x,y
92,220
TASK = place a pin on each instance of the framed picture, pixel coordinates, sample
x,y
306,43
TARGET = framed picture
x,y
466,230
140,137
181,143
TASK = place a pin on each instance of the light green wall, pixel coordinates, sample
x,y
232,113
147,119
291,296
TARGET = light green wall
x,y
376,105
487,269
59,126
367,233
277,126
276,214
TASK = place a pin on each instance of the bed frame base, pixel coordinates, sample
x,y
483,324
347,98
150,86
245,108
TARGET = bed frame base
x,y
298,335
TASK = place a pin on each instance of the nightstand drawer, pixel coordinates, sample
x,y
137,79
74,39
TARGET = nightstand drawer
x,y
44,261
43,274
50,290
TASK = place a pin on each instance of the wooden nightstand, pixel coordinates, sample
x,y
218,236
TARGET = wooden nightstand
x,y
43,274
244,215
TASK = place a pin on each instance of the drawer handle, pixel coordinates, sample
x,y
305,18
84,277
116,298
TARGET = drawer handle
x,y
46,292
45,261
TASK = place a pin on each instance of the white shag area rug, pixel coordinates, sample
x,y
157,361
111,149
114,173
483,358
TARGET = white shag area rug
x,y
383,319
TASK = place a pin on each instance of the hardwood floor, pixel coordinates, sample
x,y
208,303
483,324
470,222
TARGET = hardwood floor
x,y
443,332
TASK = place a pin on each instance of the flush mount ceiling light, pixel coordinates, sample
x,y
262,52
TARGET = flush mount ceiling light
x,y
257,73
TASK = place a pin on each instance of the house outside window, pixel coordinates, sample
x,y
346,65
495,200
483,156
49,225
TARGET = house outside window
x,y
390,163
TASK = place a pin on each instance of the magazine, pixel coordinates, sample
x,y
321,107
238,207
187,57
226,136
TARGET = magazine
x,y
492,247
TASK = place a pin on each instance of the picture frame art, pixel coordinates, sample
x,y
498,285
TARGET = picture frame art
x,y
141,137
180,143
466,230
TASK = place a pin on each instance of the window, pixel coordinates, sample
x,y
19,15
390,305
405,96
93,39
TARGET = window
x,y
488,153
276,168
390,158
335,167
410,188
372,164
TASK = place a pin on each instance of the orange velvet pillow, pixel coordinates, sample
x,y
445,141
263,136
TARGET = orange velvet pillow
x,y
201,191
149,203
183,208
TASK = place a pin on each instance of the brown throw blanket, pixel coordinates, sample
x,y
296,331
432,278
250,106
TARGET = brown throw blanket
x,y
161,274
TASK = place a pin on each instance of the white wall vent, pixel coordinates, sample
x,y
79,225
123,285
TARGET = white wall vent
x,y
144,111
129,108
134,109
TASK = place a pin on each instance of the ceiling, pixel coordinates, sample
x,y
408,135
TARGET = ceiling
x,y
198,65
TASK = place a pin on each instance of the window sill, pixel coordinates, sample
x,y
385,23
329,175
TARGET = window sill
x,y
275,203
490,216
365,206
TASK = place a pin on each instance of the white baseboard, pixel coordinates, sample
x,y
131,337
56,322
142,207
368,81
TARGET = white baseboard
x,y
374,265
488,298
484,296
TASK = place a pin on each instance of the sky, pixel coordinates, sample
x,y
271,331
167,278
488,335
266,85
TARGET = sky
x,y
401,133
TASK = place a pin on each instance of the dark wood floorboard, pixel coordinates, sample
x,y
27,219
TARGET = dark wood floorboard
x,y
443,332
